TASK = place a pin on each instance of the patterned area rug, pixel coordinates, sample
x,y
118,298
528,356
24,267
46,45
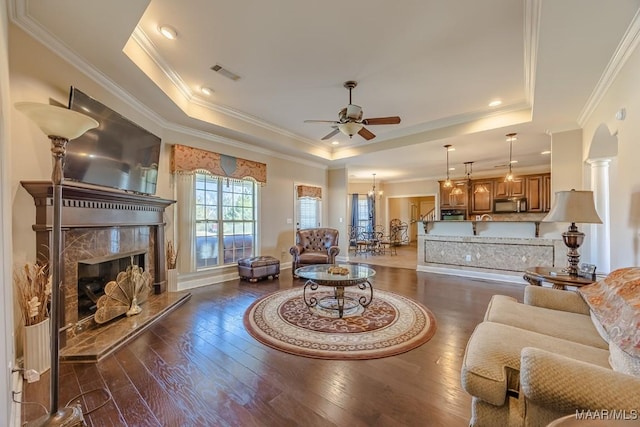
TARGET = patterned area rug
x,y
391,324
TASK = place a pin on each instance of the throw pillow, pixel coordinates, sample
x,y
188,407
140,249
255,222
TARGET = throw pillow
x,y
615,302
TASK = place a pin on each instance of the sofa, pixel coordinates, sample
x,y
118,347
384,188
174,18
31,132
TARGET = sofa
x,y
558,353
314,246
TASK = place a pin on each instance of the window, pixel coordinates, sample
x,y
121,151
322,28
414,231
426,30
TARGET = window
x,y
308,212
225,220
364,220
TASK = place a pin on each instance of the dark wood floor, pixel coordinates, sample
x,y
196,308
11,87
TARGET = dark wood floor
x,y
199,367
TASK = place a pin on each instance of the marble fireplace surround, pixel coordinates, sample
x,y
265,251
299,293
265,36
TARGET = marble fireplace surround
x,y
98,222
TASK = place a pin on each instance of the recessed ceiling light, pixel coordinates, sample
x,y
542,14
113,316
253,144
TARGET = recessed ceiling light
x,y
335,142
168,31
514,161
452,169
207,91
546,152
495,103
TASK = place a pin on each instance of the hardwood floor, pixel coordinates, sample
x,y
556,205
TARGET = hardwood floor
x,y
199,367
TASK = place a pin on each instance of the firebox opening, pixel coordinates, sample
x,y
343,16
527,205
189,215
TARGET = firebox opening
x,y
95,273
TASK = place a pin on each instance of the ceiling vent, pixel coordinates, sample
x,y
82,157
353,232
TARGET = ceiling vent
x,y
223,71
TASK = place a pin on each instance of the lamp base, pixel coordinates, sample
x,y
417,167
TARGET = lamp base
x,y
573,239
71,416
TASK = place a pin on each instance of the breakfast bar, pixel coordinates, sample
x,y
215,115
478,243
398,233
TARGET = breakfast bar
x,y
489,249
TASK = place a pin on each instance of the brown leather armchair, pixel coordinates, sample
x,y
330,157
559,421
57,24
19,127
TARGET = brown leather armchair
x,y
314,246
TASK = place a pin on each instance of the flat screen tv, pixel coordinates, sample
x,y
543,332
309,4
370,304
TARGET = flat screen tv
x,y
118,153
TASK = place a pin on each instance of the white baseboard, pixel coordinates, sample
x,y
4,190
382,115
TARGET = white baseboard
x,y
504,277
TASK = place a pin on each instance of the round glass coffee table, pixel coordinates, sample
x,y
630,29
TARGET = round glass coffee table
x,y
338,277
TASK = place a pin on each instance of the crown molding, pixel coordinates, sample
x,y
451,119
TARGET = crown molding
x,y
623,52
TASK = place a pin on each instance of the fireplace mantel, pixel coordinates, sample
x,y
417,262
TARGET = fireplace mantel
x,y
99,222
95,207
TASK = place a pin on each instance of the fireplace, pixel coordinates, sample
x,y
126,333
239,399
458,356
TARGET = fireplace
x,y
99,225
95,273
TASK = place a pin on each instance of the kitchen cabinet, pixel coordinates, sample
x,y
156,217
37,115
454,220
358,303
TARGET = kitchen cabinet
x,y
505,190
546,193
481,201
450,199
535,194
539,192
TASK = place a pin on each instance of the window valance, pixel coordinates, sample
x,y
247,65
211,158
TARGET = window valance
x,y
188,159
309,191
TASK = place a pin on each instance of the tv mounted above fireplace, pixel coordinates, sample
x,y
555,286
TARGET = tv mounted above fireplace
x,y
118,153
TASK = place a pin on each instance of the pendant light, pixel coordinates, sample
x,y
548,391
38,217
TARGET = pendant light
x,y
480,188
447,183
510,138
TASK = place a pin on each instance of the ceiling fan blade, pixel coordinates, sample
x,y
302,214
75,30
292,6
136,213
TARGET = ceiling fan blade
x,y
320,121
331,134
393,120
366,134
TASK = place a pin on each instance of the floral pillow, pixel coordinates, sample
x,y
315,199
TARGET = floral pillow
x,y
615,302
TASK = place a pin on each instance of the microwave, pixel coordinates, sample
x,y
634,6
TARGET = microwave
x,y
510,205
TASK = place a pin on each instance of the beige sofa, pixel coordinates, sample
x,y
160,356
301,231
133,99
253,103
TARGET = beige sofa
x,y
529,363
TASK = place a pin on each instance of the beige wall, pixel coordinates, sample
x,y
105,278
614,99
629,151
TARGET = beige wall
x,y
623,173
8,319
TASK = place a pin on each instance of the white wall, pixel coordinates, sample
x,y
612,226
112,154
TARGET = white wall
x,y
623,173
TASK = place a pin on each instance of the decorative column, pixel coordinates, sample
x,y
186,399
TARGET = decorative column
x,y
601,235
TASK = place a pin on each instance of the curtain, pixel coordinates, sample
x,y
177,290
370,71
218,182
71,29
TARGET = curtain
x,y
188,159
185,186
309,191
354,211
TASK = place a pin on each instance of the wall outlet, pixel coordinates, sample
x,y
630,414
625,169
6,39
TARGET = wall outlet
x,y
467,258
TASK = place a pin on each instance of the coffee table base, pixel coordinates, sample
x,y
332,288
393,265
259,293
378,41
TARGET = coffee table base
x,y
339,301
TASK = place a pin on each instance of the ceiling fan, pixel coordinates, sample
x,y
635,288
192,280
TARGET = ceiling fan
x,y
350,119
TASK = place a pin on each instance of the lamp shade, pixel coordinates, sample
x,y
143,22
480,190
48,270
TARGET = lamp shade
x,y
574,206
57,121
350,128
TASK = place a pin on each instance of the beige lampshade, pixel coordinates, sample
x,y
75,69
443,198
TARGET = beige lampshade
x,y
350,128
574,206
57,121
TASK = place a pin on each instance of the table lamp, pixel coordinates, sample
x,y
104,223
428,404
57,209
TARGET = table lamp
x,y
60,125
573,206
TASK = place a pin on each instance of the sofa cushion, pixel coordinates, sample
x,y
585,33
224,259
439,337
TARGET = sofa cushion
x,y
560,324
491,362
615,301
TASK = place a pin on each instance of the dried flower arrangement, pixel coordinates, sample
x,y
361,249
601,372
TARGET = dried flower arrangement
x,y
172,255
33,284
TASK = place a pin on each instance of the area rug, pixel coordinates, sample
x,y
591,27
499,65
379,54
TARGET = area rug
x,y
391,324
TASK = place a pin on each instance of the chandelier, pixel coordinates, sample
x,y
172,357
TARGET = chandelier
x,y
372,192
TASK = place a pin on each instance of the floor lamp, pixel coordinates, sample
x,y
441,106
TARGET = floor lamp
x,y
573,206
60,125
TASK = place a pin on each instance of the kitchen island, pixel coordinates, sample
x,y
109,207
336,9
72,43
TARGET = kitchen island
x,y
498,250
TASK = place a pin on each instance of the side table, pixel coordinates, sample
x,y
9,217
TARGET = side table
x,y
556,276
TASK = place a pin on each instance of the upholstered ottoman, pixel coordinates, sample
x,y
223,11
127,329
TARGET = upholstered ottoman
x,y
258,267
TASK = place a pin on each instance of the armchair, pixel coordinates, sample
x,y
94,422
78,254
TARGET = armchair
x,y
314,246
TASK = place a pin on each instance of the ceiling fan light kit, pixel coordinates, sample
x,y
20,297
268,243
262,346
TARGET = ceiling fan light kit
x,y
350,121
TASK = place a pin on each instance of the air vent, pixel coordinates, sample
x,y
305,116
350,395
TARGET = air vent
x,y
228,74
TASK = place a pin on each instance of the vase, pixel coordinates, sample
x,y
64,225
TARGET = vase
x,y
37,346
172,280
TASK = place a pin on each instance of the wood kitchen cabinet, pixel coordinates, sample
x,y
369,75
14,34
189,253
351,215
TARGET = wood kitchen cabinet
x,y
505,190
454,201
482,202
535,193
546,193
